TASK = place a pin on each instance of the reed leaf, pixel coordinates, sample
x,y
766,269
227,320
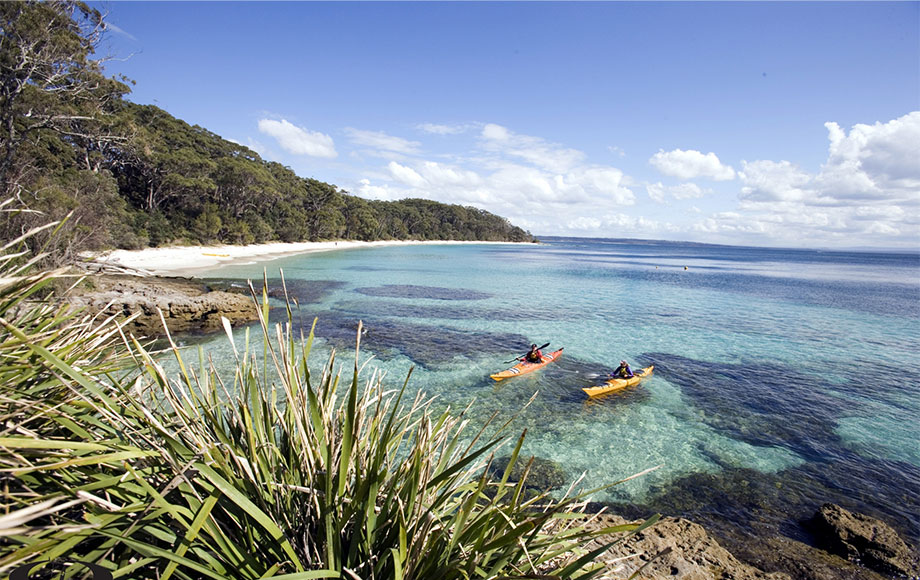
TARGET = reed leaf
x,y
270,471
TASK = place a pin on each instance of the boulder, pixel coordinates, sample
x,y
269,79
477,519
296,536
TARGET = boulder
x,y
187,305
800,561
865,540
673,548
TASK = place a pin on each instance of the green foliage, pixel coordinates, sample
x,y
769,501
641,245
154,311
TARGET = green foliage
x,y
71,141
274,472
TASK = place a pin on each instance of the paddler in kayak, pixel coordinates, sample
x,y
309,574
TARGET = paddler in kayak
x,y
622,372
534,356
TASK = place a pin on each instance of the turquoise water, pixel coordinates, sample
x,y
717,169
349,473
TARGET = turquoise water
x,y
783,379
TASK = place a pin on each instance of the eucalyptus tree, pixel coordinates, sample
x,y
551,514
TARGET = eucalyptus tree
x,y
60,127
50,80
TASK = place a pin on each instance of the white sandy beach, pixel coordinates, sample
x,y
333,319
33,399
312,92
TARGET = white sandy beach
x,y
189,260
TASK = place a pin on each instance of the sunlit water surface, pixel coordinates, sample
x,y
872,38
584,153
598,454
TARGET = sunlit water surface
x,y
783,378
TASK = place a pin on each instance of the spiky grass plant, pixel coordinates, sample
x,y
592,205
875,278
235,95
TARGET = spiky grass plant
x,y
275,473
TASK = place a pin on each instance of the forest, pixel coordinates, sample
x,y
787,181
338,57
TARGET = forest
x,y
116,174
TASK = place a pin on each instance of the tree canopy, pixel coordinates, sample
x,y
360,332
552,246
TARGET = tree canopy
x,y
131,175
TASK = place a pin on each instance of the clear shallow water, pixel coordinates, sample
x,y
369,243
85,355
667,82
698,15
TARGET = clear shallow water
x,y
784,378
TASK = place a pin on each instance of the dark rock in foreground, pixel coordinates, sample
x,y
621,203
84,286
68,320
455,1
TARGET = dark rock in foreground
x,y
673,548
865,540
187,305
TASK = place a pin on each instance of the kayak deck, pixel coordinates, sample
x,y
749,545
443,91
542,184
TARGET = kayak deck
x,y
613,385
522,368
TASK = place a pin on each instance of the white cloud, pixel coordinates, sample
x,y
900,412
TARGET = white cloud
x,y
438,174
772,181
604,183
298,140
873,161
438,129
517,173
659,192
494,132
406,175
109,27
533,150
691,165
866,193
367,190
380,140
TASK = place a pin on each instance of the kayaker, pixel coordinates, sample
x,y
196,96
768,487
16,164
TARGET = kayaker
x,y
622,372
534,356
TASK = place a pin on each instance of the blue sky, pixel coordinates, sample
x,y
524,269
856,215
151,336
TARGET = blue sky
x,y
772,124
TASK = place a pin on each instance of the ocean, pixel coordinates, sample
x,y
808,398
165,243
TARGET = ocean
x,y
783,378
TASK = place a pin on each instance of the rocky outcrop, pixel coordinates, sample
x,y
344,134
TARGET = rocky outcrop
x,y
672,548
865,540
187,305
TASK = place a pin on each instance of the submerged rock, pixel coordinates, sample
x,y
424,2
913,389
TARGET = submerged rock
x,y
187,305
865,540
544,474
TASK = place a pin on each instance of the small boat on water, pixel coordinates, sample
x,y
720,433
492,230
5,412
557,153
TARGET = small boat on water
x,y
613,385
522,368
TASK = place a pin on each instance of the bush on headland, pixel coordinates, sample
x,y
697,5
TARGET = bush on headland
x,y
276,472
133,175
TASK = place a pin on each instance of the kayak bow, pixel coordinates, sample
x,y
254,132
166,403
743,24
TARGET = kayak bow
x,y
617,384
522,368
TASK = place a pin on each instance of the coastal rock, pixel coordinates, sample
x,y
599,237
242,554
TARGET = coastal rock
x,y
863,539
800,561
187,305
673,548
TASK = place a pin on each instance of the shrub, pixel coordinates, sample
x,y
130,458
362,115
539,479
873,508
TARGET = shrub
x,y
275,473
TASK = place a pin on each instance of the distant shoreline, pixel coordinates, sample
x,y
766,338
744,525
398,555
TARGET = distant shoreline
x,y
189,261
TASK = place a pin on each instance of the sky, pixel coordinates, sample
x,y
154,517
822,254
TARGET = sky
x,y
785,124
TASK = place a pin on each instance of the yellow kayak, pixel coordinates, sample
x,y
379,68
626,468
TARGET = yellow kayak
x,y
616,384
523,368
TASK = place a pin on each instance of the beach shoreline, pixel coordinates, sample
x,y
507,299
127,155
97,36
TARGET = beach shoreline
x,y
190,261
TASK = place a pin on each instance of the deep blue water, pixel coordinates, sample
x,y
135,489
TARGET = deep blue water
x,y
783,379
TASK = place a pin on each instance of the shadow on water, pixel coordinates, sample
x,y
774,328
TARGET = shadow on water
x,y
422,292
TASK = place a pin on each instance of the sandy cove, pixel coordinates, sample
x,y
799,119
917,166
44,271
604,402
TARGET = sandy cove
x,y
145,282
192,260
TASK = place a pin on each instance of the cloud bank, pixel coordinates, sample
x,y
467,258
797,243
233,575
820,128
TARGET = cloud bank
x,y
691,165
297,140
865,193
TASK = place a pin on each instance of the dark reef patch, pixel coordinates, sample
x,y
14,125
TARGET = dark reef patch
x,y
429,347
544,474
391,308
764,405
425,345
422,292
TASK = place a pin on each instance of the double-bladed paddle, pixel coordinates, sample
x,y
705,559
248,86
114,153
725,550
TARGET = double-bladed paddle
x,y
525,354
